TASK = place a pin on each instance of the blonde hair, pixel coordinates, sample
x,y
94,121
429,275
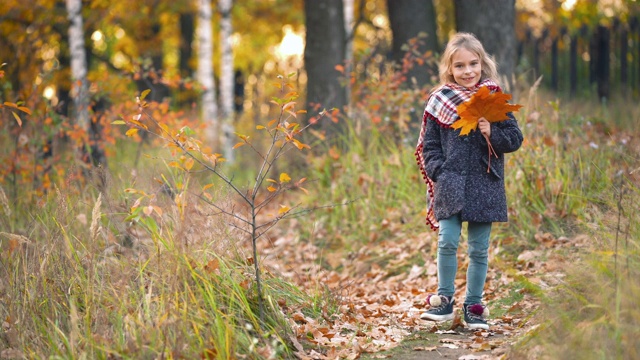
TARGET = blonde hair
x,y
470,43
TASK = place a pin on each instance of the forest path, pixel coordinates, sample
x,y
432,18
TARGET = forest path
x,y
373,297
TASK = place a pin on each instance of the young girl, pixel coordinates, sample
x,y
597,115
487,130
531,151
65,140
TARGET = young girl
x,y
463,185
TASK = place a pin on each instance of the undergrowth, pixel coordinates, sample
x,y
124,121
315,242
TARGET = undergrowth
x,y
179,289
593,314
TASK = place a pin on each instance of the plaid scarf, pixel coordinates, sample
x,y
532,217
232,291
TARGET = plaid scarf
x,y
441,108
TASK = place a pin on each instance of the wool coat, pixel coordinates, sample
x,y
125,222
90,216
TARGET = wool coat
x,y
458,167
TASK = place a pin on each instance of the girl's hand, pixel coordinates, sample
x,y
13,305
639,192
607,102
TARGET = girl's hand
x,y
485,127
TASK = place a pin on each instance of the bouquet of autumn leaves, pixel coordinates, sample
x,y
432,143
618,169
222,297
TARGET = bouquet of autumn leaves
x,y
492,106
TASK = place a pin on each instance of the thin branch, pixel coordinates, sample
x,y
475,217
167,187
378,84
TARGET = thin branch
x,y
292,215
270,198
261,173
225,212
196,159
239,228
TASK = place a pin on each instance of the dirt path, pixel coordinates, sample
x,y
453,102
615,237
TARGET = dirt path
x,y
449,344
439,346
375,295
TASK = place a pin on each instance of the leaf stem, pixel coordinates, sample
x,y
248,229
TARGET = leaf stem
x,y
491,151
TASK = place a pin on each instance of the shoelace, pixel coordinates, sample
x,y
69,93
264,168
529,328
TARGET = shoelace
x,y
442,305
473,316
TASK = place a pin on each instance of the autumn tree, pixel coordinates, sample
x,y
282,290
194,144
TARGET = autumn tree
x,y
205,69
493,22
349,32
408,19
187,31
80,87
324,50
227,78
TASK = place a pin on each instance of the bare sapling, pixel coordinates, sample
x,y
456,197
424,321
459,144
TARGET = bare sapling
x,y
259,197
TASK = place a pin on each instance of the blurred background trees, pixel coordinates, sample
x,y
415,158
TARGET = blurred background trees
x,y
585,48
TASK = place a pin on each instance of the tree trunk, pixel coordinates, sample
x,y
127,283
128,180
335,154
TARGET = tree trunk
x,y
409,18
186,38
537,42
205,71
348,56
635,33
624,52
227,79
186,97
593,57
151,74
573,66
554,64
602,61
493,22
80,86
325,48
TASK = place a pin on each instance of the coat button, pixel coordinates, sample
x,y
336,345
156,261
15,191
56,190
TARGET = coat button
x,y
464,172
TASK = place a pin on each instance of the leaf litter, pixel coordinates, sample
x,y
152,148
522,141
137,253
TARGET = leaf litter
x,y
370,306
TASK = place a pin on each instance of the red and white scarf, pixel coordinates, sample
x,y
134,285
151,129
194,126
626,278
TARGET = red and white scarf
x,y
441,108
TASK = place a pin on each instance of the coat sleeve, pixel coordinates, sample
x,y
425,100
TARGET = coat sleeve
x,y
506,136
432,150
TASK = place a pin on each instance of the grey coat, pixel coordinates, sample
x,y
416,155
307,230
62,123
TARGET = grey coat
x,y
458,167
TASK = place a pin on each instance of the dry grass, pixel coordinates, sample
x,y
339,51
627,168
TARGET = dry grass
x,y
5,203
594,313
577,175
181,286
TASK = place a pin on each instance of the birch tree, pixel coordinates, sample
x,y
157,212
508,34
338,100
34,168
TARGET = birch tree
x,y
205,70
227,78
80,86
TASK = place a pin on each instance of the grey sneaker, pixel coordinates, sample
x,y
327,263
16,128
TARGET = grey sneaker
x,y
441,308
475,316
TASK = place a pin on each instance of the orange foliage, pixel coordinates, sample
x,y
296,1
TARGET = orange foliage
x,y
484,104
491,106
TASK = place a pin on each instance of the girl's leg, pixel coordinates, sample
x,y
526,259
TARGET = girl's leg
x,y
448,240
478,261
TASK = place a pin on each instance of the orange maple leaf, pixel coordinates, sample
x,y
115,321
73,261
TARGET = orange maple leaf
x,y
491,106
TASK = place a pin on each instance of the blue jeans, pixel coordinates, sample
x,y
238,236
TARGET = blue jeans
x,y
448,240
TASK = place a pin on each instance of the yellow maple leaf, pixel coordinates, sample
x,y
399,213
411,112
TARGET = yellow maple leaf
x,y
491,106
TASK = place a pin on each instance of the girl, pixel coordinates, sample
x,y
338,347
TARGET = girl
x,y
461,184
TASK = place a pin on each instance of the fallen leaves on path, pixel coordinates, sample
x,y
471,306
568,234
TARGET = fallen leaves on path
x,y
376,294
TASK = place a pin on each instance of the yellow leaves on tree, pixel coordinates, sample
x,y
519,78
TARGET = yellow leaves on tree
x,y
491,106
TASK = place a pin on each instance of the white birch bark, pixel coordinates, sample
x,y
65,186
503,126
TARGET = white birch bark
x,y
80,86
209,108
227,78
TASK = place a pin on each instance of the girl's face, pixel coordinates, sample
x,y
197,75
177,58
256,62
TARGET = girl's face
x,y
466,68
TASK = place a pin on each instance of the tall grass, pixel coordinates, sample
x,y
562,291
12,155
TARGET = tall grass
x,y
583,182
560,168
594,313
378,181
70,289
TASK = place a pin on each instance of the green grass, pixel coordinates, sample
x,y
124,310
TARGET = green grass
x,y
377,181
594,313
